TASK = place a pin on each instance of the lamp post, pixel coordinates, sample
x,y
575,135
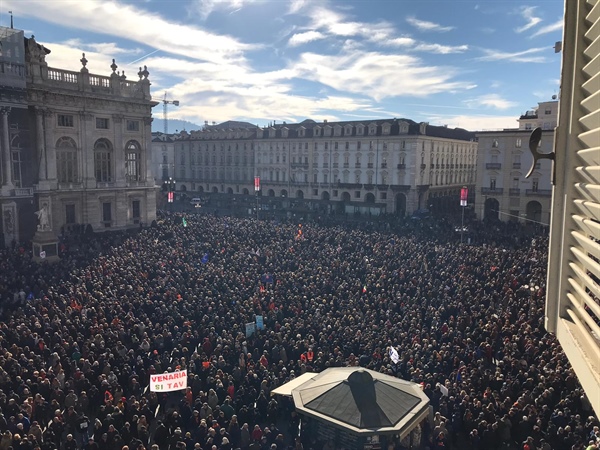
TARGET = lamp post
x,y
170,185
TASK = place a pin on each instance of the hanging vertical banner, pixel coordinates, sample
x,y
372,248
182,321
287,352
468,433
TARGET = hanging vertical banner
x,y
464,194
257,184
170,197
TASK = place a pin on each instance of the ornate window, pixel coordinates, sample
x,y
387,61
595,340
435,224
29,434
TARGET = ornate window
x,y
66,160
103,160
132,161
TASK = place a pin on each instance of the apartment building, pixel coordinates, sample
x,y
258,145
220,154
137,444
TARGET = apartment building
x,y
371,167
503,191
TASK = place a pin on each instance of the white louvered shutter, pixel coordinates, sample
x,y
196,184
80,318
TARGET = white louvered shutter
x,y
573,297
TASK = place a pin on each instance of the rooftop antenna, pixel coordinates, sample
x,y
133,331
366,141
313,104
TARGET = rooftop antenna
x,y
11,19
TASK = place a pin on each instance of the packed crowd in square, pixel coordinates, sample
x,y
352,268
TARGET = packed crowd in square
x,y
80,338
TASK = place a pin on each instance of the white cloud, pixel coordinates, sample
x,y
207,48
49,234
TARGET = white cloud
x,y
303,38
378,75
296,6
441,49
112,17
67,56
107,48
527,14
473,122
490,100
423,25
205,8
329,22
526,56
556,26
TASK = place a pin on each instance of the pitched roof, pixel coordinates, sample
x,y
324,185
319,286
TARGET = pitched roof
x,y
362,401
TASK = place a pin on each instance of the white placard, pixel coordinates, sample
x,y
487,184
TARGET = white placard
x,y
167,382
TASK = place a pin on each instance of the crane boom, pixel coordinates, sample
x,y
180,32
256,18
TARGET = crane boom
x,y
165,112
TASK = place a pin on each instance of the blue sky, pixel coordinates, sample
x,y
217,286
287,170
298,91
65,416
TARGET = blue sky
x,y
470,64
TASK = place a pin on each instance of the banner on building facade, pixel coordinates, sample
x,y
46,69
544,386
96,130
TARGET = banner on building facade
x,y
257,184
464,194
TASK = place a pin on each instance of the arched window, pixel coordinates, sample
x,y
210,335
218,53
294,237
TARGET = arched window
x,y
66,160
132,161
103,160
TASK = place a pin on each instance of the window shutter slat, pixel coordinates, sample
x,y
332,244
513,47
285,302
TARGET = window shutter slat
x,y
590,156
590,284
590,209
573,298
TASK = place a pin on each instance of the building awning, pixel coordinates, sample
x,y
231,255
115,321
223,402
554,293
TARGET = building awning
x,y
287,388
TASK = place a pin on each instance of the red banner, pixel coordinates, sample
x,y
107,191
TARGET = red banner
x,y
170,197
257,184
464,194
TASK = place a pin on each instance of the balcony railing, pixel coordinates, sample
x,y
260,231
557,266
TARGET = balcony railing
x,y
299,165
514,191
357,166
516,165
23,192
492,191
539,192
384,165
69,186
423,166
369,165
401,166
493,166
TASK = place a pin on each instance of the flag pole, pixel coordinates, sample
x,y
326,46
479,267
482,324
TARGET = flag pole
x,y
257,189
464,196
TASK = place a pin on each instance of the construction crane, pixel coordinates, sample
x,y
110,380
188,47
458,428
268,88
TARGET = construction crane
x,y
165,114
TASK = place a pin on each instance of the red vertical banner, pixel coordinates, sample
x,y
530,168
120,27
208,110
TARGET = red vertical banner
x,y
464,194
170,197
257,184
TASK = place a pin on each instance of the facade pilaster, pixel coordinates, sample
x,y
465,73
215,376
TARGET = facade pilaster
x,y
7,178
50,143
119,150
146,164
87,149
39,141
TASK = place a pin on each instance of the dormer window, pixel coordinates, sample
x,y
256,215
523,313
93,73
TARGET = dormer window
x,y
348,130
360,130
372,130
385,129
317,132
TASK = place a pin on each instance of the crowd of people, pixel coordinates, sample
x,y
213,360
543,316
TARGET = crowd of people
x,y
80,338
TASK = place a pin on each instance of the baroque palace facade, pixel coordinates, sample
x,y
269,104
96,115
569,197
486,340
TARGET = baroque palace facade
x,y
75,143
372,167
